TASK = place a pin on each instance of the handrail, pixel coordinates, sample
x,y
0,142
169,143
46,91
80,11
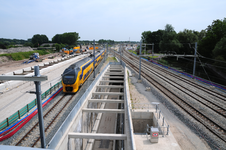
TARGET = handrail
x,y
127,96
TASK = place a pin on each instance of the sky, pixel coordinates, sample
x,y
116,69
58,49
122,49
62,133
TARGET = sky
x,y
118,20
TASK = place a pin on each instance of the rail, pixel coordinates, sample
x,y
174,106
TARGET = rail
x,y
222,87
20,113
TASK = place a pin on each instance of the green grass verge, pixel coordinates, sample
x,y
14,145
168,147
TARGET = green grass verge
x,y
144,57
25,55
131,51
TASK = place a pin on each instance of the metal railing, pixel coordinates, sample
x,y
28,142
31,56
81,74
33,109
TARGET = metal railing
x,y
162,124
20,113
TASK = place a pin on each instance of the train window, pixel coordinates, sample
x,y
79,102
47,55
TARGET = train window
x,y
69,77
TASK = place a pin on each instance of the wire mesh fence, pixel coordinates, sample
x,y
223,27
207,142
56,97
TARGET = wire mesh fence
x,y
20,113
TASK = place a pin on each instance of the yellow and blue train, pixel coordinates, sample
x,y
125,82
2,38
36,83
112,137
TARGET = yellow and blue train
x,y
76,74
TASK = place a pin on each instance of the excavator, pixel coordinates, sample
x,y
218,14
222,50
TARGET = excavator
x,y
33,57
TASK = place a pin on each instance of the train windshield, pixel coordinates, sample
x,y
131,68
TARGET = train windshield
x,y
69,77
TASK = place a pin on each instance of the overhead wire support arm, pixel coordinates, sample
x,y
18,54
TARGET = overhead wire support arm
x,y
24,78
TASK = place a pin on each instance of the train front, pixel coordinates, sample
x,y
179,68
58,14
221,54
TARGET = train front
x,y
69,80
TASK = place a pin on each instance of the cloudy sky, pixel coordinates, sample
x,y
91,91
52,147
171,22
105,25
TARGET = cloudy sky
x,y
117,20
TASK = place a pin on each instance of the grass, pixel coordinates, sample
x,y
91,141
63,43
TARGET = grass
x,y
164,62
110,59
144,57
25,55
131,51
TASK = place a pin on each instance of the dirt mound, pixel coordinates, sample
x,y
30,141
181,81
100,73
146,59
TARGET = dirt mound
x,y
4,59
15,50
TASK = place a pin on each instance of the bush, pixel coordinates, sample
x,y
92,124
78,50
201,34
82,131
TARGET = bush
x,y
2,46
28,44
18,56
47,45
59,46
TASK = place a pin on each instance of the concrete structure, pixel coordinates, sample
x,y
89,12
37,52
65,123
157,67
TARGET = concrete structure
x,y
104,117
106,109
105,90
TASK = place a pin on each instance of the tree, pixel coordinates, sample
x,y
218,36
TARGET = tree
x,y
187,38
146,36
152,37
38,39
70,38
56,38
201,34
102,41
220,49
2,46
169,42
214,33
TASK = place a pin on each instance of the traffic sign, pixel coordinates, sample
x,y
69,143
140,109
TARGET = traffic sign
x,y
155,134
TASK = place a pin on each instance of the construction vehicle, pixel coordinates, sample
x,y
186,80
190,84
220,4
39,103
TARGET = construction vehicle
x,y
33,57
76,49
91,48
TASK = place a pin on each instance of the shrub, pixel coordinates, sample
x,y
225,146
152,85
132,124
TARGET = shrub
x,y
47,45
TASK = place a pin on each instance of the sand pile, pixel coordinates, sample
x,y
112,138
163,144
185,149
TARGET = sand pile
x,y
15,50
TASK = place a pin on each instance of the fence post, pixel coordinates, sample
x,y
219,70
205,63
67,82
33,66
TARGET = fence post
x,y
159,114
18,114
7,120
163,121
167,130
27,108
50,88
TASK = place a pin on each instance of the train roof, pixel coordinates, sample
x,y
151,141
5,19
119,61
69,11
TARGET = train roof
x,y
83,61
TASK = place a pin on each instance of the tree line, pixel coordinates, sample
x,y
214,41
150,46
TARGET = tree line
x,y
7,43
211,41
69,40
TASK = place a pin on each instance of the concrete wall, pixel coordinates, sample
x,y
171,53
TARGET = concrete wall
x,y
141,119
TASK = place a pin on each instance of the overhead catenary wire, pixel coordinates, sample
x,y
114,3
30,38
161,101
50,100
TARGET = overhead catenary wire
x,y
211,58
202,65
205,71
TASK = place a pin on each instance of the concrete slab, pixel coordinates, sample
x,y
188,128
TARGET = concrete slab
x,y
185,138
164,143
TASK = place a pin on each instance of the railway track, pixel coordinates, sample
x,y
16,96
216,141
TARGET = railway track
x,y
194,92
31,137
206,106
